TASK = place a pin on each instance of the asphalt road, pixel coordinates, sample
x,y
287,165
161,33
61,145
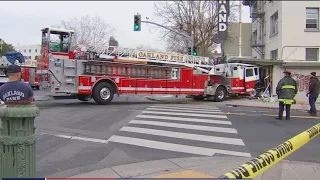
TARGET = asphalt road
x,y
260,132
75,137
60,156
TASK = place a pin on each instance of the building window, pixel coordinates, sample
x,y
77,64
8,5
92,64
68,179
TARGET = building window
x,y
249,72
274,54
254,38
260,33
312,18
29,50
36,50
312,54
25,50
274,24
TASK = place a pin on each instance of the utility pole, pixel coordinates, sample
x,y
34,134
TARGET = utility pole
x,y
240,29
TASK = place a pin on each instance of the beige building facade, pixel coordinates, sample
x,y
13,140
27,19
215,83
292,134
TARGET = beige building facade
x,y
231,45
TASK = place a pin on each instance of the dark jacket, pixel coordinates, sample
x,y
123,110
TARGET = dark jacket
x,y
314,86
286,88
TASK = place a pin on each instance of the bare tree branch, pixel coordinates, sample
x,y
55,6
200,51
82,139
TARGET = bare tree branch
x,y
89,31
201,17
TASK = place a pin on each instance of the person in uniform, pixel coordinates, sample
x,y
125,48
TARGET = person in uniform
x,y
15,89
286,91
313,93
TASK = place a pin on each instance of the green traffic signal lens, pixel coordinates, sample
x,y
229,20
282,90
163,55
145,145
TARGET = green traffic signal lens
x,y
136,27
194,53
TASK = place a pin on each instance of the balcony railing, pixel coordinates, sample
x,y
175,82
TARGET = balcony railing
x,y
256,43
256,10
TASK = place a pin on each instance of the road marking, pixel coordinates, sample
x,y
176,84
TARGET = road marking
x,y
189,136
186,119
185,174
302,117
77,138
186,114
185,107
250,111
183,110
173,147
235,113
186,126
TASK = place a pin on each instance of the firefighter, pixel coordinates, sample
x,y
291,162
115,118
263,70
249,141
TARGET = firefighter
x,y
313,93
286,91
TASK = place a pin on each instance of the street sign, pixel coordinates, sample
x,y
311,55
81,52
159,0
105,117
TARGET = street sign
x,y
223,13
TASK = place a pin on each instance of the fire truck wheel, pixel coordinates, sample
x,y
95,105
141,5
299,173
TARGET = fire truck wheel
x,y
103,93
83,97
220,94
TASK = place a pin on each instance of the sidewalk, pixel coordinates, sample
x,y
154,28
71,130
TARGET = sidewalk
x,y
204,167
255,103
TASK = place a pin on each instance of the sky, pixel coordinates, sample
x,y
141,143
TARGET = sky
x,y
21,21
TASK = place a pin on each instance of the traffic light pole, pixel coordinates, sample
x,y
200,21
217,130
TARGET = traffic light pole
x,y
191,39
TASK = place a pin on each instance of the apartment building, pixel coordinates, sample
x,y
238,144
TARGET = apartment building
x,y
29,51
286,30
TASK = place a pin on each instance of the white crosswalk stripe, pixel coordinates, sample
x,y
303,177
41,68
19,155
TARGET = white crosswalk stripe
x,y
193,129
183,110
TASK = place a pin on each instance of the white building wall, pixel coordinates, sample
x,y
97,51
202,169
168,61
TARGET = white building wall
x,y
294,29
272,42
291,30
29,51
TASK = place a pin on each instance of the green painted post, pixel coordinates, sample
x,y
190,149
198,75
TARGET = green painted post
x,y
17,140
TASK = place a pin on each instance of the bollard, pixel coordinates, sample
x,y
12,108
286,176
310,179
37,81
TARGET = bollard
x,y
17,140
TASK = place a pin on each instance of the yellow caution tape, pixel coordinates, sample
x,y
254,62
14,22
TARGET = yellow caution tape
x,y
271,157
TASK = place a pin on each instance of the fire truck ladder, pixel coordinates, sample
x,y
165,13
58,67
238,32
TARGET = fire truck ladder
x,y
197,62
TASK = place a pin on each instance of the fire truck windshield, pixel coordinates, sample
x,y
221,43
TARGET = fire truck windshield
x,y
58,41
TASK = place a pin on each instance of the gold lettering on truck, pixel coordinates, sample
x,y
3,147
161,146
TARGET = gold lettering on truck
x,y
159,56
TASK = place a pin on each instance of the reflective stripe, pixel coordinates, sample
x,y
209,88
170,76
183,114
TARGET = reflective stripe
x,y
288,87
286,101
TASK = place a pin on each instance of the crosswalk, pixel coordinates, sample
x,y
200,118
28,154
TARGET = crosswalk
x,y
193,129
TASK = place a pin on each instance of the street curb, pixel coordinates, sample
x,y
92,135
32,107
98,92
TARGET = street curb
x,y
263,107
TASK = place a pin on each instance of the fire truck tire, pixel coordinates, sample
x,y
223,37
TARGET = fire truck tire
x,y
220,94
83,97
103,93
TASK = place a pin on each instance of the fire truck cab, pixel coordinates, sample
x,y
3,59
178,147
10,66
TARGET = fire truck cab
x,y
234,79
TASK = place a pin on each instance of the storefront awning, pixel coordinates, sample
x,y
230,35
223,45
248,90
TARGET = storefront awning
x,y
301,64
261,62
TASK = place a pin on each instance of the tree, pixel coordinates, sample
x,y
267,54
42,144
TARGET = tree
x,y
4,47
201,17
147,48
89,31
113,41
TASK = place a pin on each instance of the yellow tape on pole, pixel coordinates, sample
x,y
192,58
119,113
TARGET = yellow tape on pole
x,y
271,157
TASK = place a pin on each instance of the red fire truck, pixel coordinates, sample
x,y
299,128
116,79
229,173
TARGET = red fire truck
x,y
28,71
106,71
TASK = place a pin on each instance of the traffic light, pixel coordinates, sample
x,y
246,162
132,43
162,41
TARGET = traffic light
x,y
189,51
137,22
195,51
